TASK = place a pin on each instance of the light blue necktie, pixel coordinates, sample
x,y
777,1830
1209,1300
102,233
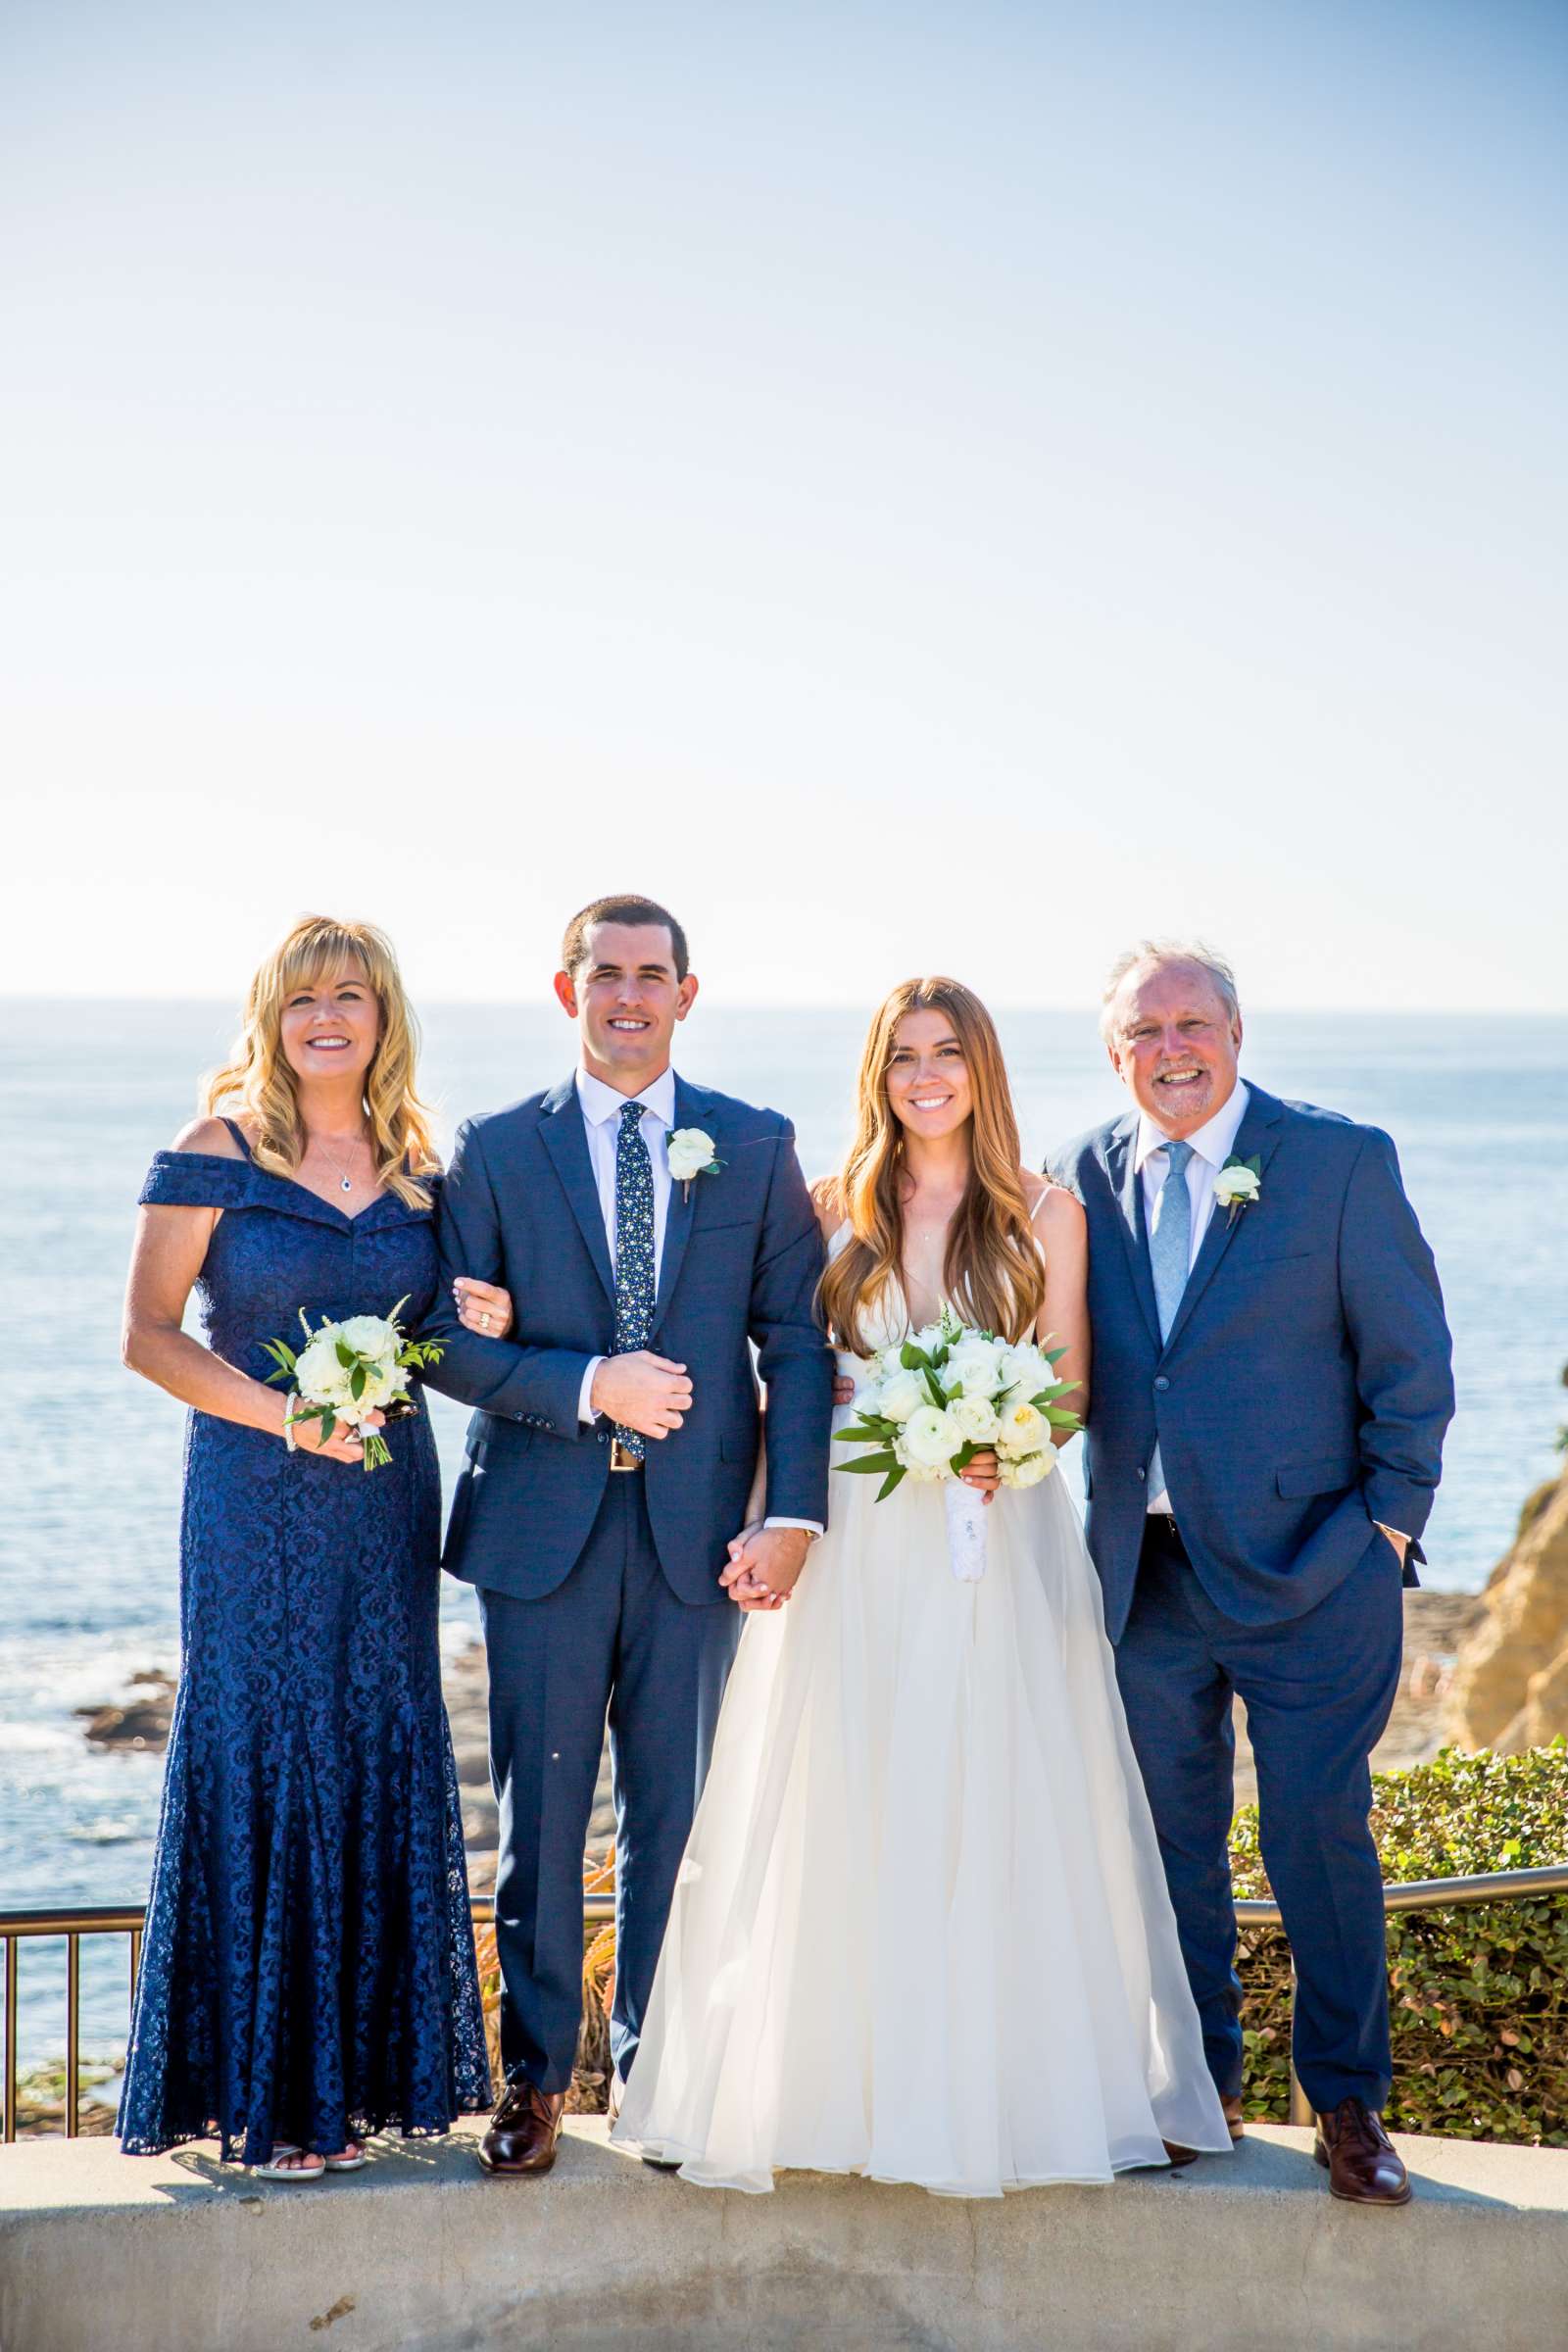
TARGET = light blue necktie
x,y
1170,1241
1170,1237
634,1247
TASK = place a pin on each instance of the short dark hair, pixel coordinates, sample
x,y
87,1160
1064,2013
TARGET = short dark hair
x,y
627,908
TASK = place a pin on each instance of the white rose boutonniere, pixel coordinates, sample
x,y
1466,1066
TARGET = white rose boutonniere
x,y
691,1153
1238,1185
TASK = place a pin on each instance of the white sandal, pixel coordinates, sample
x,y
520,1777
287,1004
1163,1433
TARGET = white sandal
x,y
294,2174
346,2164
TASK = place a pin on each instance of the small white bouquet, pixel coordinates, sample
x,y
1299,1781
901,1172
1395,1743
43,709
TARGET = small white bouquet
x,y
949,1391
346,1371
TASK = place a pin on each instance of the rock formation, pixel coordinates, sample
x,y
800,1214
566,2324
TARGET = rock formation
x,y
1510,1682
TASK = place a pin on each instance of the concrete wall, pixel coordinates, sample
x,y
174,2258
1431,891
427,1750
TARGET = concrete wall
x,y
419,2250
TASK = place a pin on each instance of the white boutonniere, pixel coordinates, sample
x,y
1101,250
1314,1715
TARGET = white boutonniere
x,y
1238,1185
691,1153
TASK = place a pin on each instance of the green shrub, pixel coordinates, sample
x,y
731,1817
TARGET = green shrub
x,y
1479,1995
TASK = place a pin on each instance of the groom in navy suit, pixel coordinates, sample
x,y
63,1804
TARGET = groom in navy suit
x,y
1270,1389
650,1232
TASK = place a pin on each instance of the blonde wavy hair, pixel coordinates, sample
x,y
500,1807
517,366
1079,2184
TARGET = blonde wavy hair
x,y
992,1272
259,1084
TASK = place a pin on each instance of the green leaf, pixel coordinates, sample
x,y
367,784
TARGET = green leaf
x,y
912,1358
345,1355
938,1396
329,1421
892,1479
357,1384
869,1462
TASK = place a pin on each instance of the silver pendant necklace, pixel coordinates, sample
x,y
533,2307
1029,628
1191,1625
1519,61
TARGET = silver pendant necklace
x,y
345,1181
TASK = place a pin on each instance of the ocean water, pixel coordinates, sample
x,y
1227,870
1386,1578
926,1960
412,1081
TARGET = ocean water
x,y
89,1467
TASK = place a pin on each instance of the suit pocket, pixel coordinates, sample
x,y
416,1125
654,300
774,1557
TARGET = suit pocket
x,y
1317,1474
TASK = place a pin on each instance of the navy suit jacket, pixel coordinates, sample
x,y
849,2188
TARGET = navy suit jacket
x,y
742,1255
1305,1387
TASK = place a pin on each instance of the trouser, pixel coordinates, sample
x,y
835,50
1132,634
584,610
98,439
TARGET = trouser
x,y
613,1635
1317,1690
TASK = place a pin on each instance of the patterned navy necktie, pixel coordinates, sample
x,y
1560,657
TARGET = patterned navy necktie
x,y
634,1248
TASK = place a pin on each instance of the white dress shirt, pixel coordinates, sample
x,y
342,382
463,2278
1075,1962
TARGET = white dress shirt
x,y
600,1109
1212,1144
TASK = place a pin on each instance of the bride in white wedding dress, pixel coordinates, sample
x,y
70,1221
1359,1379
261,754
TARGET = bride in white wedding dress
x,y
921,1929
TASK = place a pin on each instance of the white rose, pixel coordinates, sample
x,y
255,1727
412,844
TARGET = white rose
x,y
1030,1471
974,1365
925,1474
691,1153
319,1376
1023,1428
370,1335
901,1393
976,1417
930,1438
1024,1368
931,1337
382,1382
1234,1186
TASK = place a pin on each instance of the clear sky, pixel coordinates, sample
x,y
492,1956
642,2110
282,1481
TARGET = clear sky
x,y
918,486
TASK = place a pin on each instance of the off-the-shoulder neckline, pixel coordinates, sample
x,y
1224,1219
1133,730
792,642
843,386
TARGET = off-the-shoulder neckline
x,y
328,1208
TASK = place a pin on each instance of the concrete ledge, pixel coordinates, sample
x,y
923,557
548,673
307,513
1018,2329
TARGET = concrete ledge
x,y
421,2250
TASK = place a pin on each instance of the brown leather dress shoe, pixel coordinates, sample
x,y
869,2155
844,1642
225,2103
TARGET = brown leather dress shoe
x,y
523,2130
1359,2158
1176,2155
1232,2110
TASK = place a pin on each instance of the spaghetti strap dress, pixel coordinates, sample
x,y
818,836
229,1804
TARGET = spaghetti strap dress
x,y
308,1969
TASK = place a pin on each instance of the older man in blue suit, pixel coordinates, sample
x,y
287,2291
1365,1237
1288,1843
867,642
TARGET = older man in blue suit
x,y
1272,1387
650,1232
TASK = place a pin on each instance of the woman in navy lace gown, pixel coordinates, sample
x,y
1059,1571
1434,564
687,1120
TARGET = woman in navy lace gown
x,y
308,1969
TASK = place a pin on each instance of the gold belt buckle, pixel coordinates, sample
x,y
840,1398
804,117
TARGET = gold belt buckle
x,y
621,1458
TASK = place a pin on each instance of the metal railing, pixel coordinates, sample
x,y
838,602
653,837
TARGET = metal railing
x,y
17,1926
1416,1894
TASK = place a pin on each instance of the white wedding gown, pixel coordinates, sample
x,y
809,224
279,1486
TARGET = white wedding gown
x,y
921,1929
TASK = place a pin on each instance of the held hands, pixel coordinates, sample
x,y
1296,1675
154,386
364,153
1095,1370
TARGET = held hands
x,y
765,1565
642,1392
482,1306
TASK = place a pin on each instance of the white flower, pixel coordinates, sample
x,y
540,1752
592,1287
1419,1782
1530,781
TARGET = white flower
x,y
1030,1470
1023,1428
370,1335
691,1153
930,1438
930,1337
1024,1368
1236,1187
925,1474
901,1393
318,1374
973,1367
891,1359
976,1417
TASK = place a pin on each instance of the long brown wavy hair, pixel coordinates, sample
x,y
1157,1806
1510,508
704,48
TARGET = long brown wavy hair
x,y
992,1272
259,1083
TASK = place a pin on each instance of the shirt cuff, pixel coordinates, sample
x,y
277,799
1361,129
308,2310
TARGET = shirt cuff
x,y
585,1411
1398,1533
813,1527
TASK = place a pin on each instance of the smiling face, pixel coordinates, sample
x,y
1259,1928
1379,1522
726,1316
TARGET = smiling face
x,y
1174,1045
330,1026
929,1088
625,1000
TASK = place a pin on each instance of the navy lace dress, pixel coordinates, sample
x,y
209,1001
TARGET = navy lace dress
x,y
308,1969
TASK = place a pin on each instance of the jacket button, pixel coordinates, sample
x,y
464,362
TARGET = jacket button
x,y
1143,1473
1161,1382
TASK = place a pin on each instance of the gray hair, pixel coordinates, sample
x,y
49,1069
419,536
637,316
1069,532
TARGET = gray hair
x,y
1158,952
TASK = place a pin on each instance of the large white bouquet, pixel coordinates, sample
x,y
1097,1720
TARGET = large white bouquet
x,y
949,1391
346,1371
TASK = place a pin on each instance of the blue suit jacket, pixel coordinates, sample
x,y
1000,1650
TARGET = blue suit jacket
x,y
1305,1386
741,1260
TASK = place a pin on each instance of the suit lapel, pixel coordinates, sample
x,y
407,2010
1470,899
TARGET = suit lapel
x,y
693,1109
1121,1164
566,1139
1256,1138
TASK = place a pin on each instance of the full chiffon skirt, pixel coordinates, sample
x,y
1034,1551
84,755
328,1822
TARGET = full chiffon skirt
x,y
922,1930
